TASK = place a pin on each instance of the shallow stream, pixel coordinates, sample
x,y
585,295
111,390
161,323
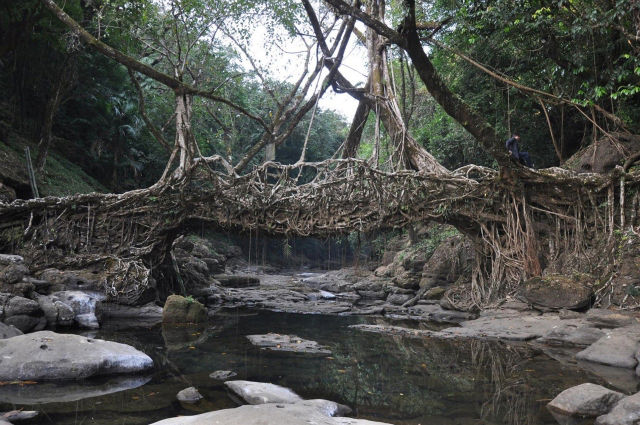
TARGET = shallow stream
x,y
384,378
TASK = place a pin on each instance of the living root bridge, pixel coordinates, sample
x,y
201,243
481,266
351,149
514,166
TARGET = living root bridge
x,y
520,219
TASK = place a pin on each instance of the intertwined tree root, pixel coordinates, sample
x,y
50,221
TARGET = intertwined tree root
x,y
518,218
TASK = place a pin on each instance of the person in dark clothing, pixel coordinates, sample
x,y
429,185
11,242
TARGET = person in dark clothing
x,y
523,157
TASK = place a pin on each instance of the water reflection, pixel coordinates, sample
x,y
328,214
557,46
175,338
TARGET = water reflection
x,y
385,378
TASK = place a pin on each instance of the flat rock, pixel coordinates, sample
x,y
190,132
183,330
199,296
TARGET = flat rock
x,y
118,311
626,412
617,348
603,318
266,414
435,313
585,400
516,328
47,355
262,392
189,395
572,335
222,375
290,343
237,281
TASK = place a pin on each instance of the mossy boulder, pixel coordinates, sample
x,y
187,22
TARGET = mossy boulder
x,y
178,309
557,291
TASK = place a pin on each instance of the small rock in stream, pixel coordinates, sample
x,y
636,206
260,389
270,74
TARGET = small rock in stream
x,y
221,375
189,395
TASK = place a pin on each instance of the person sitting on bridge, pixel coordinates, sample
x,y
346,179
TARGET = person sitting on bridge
x,y
523,157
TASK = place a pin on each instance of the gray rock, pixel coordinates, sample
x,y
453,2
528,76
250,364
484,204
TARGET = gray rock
x,y
13,273
56,312
436,313
47,355
328,408
372,295
73,280
222,375
603,318
557,291
119,311
237,281
398,299
617,348
586,400
289,343
7,331
626,412
189,395
266,414
26,323
517,328
572,335
83,305
20,305
262,393
6,259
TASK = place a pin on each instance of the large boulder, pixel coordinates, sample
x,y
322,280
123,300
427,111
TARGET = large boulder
x,y
23,313
585,400
556,291
83,305
13,273
450,260
47,355
55,311
178,309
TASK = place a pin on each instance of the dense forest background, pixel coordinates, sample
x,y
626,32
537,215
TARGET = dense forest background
x,y
67,100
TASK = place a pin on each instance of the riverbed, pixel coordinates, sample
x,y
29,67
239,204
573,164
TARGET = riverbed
x,y
384,378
